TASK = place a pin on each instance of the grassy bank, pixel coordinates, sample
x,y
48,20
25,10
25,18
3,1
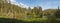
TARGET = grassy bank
x,y
28,20
34,19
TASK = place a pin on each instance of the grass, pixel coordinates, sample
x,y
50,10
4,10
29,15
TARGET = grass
x,y
26,19
58,19
2,15
18,19
33,19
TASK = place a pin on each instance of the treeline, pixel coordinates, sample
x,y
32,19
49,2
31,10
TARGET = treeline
x,y
8,9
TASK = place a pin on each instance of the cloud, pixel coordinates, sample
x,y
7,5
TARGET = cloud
x,y
49,5
23,5
13,0
19,4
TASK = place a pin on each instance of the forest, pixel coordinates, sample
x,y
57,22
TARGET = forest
x,y
10,13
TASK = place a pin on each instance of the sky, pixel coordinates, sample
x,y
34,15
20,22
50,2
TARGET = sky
x,y
45,4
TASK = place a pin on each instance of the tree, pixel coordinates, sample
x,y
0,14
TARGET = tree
x,y
38,11
0,4
29,8
5,0
58,13
0,0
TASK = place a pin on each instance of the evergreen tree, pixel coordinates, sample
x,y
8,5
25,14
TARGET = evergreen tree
x,y
58,13
38,11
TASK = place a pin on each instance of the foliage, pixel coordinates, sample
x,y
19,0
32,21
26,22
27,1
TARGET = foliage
x,y
8,10
20,12
57,14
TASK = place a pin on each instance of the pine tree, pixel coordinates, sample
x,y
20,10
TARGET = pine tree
x,y
58,13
